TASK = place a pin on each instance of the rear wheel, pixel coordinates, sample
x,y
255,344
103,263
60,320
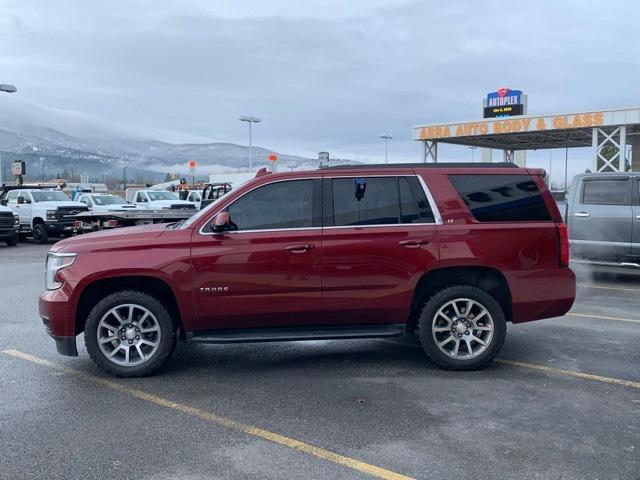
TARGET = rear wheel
x,y
40,234
130,334
462,328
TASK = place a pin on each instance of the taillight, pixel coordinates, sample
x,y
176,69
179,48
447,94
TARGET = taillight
x,y
563,240
112,223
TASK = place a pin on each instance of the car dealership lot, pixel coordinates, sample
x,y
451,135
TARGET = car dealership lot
x,y
330,409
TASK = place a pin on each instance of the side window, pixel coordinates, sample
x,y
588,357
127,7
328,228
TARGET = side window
x,y
502,198
140,197
12,196
609,191
365,201
25,197
379,201
288,204
414,206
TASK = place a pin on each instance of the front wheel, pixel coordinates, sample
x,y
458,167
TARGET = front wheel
x,y
130,334
462,328
40,234
12,241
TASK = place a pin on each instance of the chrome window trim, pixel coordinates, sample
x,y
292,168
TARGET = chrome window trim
x,y
432,205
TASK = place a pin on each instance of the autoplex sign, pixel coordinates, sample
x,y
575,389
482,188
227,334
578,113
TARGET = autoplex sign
x,y
509,125
504,103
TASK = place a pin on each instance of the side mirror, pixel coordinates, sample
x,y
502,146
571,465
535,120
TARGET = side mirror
x,y
221,223
3,202
20,200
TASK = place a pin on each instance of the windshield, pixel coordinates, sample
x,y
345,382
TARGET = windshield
x,y
162,196
50,196
107,200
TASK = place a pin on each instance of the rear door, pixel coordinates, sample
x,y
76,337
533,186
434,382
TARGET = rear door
x,y
602,219
379,236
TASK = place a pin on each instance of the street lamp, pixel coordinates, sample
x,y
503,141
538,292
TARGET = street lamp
x,y
386,138
250,120
7,89
473,150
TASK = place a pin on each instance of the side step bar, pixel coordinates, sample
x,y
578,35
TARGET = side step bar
x,y
250,335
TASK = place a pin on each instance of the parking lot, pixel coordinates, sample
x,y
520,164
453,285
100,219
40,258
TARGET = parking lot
x,y
562,401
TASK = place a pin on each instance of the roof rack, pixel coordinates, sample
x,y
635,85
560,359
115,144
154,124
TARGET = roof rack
x,y
424,165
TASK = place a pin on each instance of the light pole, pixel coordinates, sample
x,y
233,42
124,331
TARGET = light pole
x,y
386,137
473,150
124,179
250,120
7,89
42,168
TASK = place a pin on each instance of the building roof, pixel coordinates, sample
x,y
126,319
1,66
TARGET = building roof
x,y
533,132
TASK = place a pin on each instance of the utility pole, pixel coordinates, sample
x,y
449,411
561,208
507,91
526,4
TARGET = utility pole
x,y
250,120
124,180
386,137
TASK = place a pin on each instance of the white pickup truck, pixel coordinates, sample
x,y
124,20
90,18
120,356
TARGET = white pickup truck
x,y
158,200
44,212
106,202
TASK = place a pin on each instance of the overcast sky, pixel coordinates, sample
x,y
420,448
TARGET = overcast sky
x,y
323,75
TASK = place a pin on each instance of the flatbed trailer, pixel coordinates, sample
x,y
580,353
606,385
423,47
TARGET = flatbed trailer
x,y
94,221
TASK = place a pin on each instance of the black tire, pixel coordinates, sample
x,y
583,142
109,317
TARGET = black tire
x,y
168,333
12,241
427,336
40,234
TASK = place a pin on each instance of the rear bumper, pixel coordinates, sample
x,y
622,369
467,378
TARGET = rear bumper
x,y
542,294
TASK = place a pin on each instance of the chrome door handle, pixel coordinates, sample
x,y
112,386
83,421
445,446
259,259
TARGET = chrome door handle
x,y
582,214
412,243
299,248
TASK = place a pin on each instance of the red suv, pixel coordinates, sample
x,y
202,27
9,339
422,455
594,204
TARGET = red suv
x,y
451,252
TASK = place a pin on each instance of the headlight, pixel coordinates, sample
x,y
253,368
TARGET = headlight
x,y
16,220
55,263
51,214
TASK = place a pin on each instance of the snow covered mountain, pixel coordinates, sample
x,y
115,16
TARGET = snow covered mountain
x,y
60,154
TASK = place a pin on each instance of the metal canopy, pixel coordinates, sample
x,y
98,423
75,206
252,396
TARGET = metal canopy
x,y
602,129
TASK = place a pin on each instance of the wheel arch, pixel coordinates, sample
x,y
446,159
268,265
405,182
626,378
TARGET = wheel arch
x,y
36,220
488,279
98,289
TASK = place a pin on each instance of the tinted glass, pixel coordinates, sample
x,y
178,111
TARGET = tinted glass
x,y
277,205
501,198
414,206
378,201
610,191
365,201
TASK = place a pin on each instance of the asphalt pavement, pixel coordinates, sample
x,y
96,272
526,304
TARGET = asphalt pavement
x,y
562,401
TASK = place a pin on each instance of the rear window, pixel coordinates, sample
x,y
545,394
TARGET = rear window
x,y
610,191
502,198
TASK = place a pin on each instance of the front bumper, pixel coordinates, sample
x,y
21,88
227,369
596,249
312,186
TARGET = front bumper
x,y
56,226
58,319
9,233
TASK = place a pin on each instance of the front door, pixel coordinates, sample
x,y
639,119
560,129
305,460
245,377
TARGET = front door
x,y
601,219
265,272
379,237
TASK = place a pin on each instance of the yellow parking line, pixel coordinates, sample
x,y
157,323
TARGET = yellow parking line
x,y
605,287
570,373
602,317
544,368
218,420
